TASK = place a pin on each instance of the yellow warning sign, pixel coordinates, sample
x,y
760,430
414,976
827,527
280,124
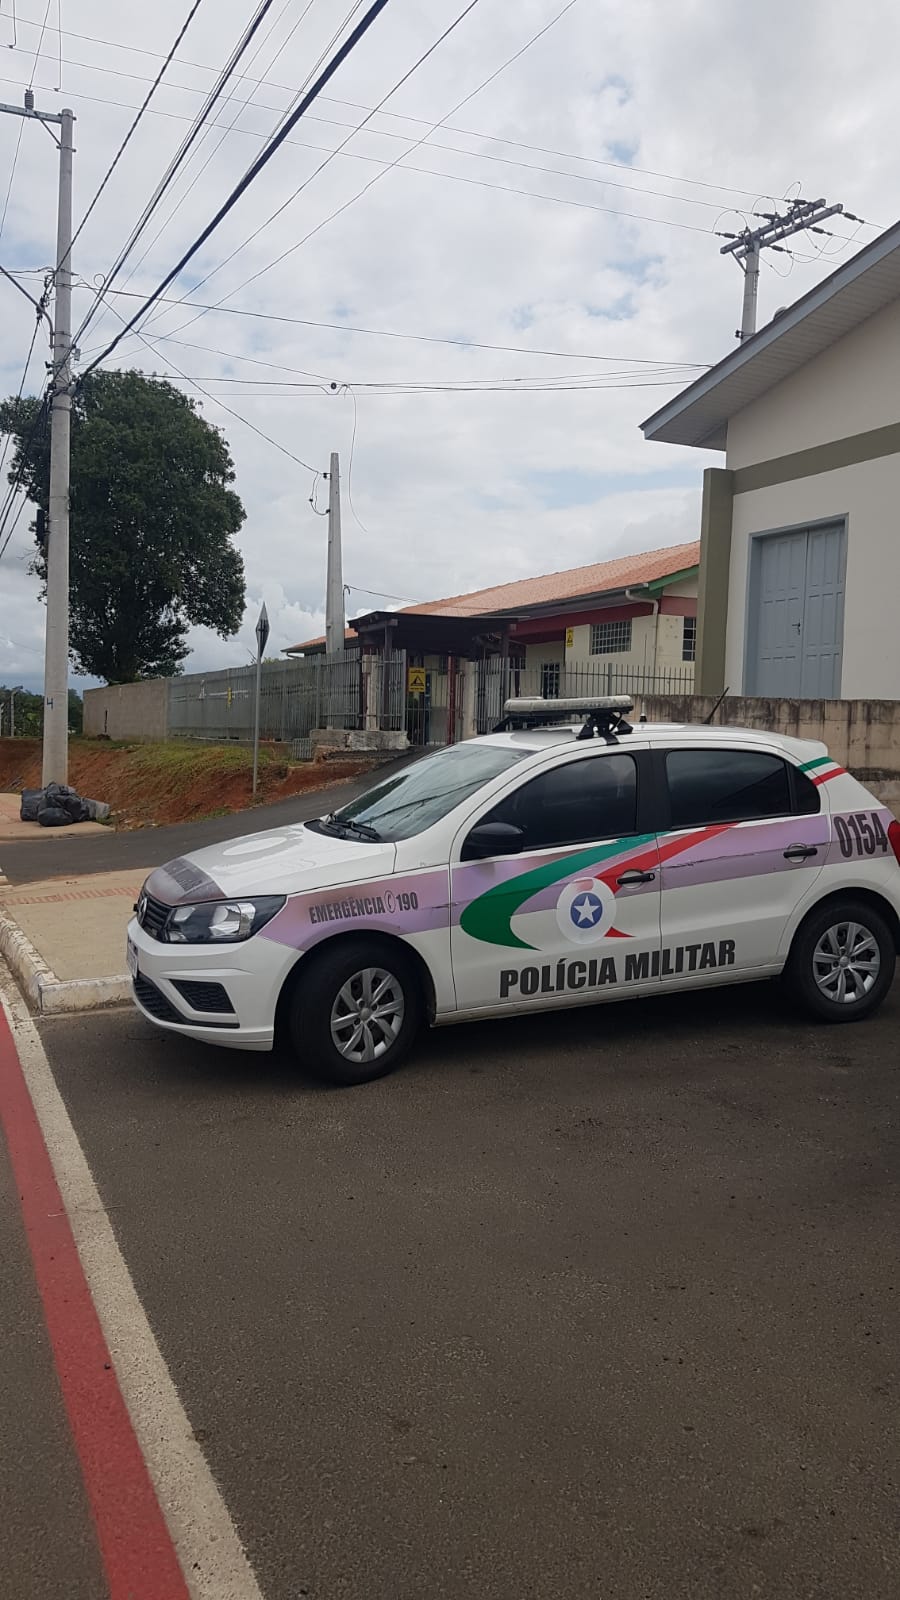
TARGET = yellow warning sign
x,y
415,680
570,638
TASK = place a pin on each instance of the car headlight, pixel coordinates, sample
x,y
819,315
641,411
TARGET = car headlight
x,y
220,921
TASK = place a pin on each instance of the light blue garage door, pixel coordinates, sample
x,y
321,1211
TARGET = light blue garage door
x,y
796,616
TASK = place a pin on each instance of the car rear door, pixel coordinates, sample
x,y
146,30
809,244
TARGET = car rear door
x,y
743,841
575,916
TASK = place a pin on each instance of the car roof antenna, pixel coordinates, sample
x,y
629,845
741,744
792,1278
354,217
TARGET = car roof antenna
x,y
715,708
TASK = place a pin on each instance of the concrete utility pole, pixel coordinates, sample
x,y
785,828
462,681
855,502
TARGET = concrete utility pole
x,y
746,246
334,583
56,653
56,657
751,292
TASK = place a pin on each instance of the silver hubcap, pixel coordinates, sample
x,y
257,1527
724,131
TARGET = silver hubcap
x,y
368,1014
846,962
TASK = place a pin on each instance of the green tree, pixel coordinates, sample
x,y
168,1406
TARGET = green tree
x,y
152,519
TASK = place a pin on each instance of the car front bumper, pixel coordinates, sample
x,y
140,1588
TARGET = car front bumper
x,y
251,974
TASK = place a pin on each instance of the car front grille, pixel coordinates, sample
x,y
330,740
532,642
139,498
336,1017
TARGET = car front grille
x,y
152,915
154,1001
204,996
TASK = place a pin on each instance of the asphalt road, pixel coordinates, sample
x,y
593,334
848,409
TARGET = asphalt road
x,y
602,1305
70,853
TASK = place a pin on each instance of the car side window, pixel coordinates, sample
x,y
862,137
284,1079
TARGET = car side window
x,y
594,798
709,786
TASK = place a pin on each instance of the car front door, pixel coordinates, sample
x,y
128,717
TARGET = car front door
x,y
744,842
574,914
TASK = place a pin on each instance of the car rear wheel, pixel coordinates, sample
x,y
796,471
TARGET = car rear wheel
x,y
356,1011
842,961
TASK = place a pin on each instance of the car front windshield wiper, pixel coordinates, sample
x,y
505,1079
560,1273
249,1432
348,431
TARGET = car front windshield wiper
x,y
362,830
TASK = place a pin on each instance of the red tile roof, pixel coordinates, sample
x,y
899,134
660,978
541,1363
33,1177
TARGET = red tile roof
x,y
602,577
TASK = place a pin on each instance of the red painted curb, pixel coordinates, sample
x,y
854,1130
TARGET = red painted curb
x,y
135,1545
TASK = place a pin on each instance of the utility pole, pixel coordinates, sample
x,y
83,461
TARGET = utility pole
x,y
56,648
262,635
334,582
56,657
746,246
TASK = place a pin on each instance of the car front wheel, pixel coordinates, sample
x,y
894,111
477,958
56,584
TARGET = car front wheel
x,y
842,961
355,1011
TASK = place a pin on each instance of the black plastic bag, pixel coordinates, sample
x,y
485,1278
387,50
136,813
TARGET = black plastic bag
x,y
54,817
32,801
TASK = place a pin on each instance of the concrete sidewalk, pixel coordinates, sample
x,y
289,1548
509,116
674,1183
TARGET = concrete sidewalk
x,y
64,938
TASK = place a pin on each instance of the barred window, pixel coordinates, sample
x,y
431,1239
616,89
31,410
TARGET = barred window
x,y
550,680
611,638
689,639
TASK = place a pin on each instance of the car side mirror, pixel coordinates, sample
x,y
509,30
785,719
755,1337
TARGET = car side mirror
x,y
494,839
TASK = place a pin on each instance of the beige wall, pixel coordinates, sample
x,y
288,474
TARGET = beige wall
x,y
137,711
848,389
861,734
868,495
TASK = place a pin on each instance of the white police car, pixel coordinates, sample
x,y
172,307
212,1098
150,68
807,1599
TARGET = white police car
x,y
553,863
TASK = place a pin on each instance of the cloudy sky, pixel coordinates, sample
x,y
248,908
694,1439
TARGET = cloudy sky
x,y
569,206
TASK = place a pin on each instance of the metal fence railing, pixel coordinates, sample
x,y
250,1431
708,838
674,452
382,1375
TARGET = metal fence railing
x,y
350,690
498,680
295,697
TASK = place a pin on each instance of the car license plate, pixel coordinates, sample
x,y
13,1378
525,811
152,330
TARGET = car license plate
x,y
131,957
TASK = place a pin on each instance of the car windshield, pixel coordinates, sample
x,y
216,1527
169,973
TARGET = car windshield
x,y
425,792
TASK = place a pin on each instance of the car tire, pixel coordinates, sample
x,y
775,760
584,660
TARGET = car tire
x,y
842,961
355,1012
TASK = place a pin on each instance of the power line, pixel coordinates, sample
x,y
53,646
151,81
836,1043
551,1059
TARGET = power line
x,y
225,130
448,177
21,128
217,402
178,159
355,105
393,333
321,167
147,98
256,167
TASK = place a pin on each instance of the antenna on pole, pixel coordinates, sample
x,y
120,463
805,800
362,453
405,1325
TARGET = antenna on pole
x,y
747,246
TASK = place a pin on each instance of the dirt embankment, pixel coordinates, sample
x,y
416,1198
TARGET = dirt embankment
x,y
149,784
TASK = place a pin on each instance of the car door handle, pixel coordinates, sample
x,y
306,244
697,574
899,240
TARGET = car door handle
x,y
800,852
629,878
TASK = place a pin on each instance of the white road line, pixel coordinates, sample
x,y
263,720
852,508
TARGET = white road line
x,y
209,1549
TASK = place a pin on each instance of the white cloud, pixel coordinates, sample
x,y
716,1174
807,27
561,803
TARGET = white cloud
x,y
445,483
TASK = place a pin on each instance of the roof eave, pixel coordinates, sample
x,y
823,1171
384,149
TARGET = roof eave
x,y
673,424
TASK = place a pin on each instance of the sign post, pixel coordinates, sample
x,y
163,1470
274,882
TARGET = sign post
x,y
262,634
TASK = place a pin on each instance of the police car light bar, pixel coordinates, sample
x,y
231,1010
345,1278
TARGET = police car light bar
x,y
604,714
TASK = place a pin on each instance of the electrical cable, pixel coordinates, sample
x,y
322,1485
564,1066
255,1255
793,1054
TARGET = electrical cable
x,y
217,402
200,122
320,168
392,333
224,131
21,130
357,106
40,418
147,98
350,43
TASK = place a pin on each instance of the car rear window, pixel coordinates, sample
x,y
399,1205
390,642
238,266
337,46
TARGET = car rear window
x,y
708,786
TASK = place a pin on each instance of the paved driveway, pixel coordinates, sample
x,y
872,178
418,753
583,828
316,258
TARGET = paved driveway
x,y
602,1305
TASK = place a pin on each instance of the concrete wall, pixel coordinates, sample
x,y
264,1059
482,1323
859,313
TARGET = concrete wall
x,y
848,389
868,495
138,711
863,735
